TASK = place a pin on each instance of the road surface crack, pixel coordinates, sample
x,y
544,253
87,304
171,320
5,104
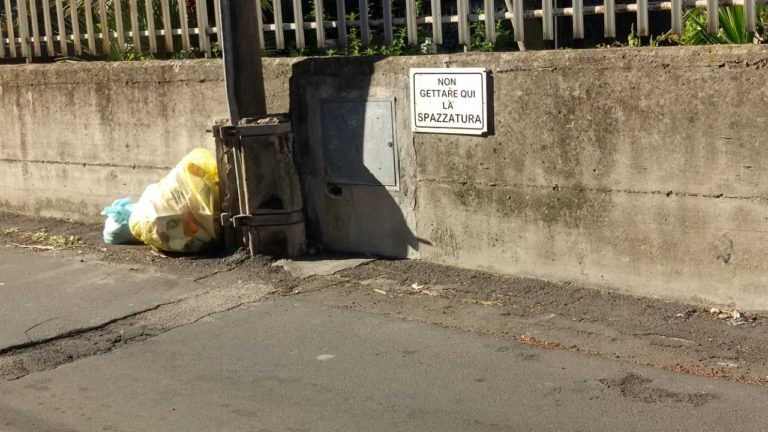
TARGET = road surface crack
x,y
38,356
26,332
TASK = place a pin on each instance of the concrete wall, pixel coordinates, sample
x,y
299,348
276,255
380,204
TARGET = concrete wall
x,y
632,169
75,136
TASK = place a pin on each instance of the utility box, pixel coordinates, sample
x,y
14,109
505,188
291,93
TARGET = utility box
x,y
263,207
358,141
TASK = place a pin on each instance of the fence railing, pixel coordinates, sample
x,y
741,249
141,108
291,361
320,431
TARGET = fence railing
x,y
39,28
45,28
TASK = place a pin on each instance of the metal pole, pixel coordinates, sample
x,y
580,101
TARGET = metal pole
x,y
242,59
268,211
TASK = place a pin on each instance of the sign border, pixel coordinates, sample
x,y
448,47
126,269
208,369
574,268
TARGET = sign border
x,y
483,72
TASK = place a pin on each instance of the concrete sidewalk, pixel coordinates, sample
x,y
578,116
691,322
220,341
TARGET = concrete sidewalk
x,y
43,295
287,365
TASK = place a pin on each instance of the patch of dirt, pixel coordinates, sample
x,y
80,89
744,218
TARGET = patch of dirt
x,y
84,240
675,336
634,386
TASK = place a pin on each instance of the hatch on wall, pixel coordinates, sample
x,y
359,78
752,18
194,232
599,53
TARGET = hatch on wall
x,y
359,142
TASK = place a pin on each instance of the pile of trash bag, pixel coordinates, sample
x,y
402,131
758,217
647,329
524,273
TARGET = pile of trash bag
x,y
116,229
180,213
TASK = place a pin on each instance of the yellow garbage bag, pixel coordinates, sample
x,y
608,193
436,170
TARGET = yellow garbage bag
x,y
180,213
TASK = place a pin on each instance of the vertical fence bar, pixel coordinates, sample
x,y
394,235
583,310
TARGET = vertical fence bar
x,y
320,23
75,21
260,21
119,26
298,20
217,17
23,19
547,20
750,16
437,22
386,10
277,8
35,27
184,24
578,19
677,17
2,42
104,23
365,35
518,17
410,22
9,27
165,10
462,10
609,18
341,22
642,17
134,12
713,20
150,14
89,27
63,48
48,27
490,21
202,27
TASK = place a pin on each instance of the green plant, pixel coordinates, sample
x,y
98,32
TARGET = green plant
x,y
632,39
127,54
400,45
732,30
134,56
428,47
695,32
216,49
505,37
187,54
62,241
477,36
354,43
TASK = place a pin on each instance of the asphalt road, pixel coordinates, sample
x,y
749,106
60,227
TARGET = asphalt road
x,y
287,365
44,296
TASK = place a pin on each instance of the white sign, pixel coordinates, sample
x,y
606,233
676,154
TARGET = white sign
x,y
449,100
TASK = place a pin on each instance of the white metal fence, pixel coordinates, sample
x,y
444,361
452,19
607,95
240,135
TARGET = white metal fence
x,y
35,28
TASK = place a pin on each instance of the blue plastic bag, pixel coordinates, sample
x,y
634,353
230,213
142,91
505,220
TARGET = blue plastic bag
x,y
116,229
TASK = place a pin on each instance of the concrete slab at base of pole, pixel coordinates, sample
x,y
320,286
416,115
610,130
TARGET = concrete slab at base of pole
x,y
277,240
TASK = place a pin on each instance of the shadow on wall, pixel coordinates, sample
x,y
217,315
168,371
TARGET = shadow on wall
x,y
348,151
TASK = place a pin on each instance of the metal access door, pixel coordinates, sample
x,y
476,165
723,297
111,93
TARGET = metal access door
x,y
358,141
